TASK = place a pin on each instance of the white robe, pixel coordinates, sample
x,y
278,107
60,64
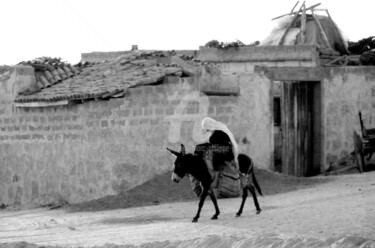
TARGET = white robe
x,y
209,124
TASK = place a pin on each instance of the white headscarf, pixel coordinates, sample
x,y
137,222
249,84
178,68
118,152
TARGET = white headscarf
x,y
210,124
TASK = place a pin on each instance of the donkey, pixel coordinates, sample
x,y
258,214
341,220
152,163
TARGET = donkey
x,y
246,169
197,167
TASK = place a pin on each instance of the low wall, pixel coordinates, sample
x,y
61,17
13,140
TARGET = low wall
x,y
85,151
346,91
101,56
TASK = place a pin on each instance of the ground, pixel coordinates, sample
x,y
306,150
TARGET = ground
x,y
323,211
161,189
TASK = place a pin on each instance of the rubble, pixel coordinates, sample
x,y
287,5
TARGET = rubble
x,y
225,45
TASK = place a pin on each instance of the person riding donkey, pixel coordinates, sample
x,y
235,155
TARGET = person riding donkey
x,y
220,152
217,166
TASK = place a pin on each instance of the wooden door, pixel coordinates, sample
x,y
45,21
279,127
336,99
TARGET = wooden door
x,y
297,127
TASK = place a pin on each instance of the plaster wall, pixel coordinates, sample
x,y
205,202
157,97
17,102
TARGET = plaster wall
x,y
346,91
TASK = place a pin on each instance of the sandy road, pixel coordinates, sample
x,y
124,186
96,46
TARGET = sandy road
x,y
343,207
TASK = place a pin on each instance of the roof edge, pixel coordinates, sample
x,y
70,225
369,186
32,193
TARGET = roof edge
x,y
259,53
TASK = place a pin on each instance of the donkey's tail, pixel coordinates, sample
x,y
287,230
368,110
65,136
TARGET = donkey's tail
x,y
256,184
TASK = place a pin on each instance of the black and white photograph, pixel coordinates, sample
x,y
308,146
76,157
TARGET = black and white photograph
x,y
187,124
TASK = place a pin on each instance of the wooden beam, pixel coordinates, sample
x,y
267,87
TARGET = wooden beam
x,y
335,60
324,36
289,26
294,6
303,25
40,104
297,12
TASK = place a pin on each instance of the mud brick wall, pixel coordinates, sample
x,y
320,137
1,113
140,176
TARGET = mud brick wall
x,y
345,92
86,151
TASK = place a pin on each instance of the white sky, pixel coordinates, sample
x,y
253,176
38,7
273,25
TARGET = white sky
x,y
67,28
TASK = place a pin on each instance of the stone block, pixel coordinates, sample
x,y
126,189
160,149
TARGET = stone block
x,y
115,103
21,137
148,111
134,122
144,121
191,111
160,89
124,113
135,92
159,111
154,122
169,111
137,112
149,90
37,137
104,124
75,118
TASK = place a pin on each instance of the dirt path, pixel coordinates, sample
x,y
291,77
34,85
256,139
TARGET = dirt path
x,y
321,215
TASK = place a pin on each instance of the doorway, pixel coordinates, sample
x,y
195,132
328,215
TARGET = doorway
x,y
300,128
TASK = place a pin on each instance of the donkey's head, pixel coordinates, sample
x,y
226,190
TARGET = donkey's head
x,y
180,164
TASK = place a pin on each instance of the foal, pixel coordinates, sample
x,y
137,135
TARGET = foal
x,y
197,167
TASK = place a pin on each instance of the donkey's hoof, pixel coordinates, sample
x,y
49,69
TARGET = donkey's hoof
x,y
238,215
194,220
259,210
214,217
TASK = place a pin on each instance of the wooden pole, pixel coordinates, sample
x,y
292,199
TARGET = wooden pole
x,y
294,6
289,26
297,12
303,24
324,36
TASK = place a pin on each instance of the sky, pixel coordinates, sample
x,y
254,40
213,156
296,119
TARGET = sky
x,y
67,28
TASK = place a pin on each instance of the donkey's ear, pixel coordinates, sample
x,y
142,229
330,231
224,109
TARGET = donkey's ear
x,y
174,152
183,151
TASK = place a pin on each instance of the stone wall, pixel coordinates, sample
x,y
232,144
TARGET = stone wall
x,y
346,91
85,151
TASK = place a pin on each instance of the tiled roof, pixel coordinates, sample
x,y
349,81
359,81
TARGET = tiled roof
x,y
110,78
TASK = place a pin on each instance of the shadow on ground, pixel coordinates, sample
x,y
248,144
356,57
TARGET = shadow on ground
x,y
162,190
135,220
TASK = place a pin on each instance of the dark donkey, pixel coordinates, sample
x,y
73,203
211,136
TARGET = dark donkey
x,y
197,167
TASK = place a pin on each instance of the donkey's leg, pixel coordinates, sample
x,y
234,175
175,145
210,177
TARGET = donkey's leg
x,y
244,196
200,205
214,201
252,191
